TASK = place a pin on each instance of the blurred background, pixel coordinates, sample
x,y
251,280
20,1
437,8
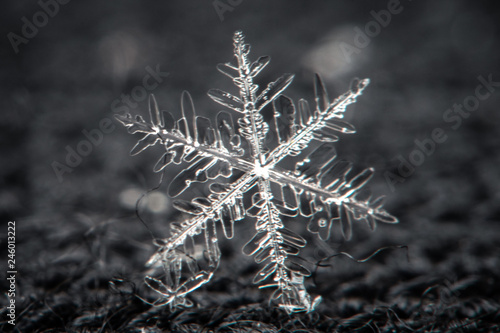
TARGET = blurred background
x,y
428,123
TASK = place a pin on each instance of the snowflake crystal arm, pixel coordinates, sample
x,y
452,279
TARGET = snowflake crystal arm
x,y
320,187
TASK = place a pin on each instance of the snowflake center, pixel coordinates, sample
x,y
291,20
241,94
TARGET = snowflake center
x,y
261,171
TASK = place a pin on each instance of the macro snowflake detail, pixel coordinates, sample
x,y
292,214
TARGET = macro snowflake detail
x,y
237,162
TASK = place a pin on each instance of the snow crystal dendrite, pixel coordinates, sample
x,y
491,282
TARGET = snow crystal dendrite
x,y
236,160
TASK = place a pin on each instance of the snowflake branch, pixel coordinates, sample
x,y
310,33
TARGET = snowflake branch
x,y
318,121
273,244
173,292
252,125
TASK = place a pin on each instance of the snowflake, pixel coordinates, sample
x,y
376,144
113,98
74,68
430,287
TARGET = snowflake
x,y
237,161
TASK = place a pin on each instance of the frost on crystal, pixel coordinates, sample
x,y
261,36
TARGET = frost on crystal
x,y
320,187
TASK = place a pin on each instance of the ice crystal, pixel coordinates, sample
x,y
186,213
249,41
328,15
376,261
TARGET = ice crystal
x,y
237,161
